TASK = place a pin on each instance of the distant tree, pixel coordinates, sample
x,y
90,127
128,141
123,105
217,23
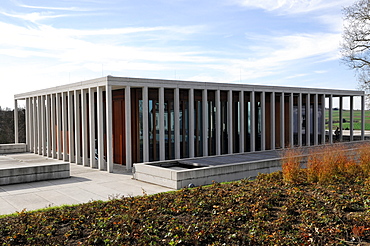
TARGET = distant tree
x,y
355,47
7,126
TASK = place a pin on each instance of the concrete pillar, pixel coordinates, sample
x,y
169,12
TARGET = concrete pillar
x,y
323,132
263,121
291,120
351,118
362,117
100,129
59,125
330,119
93,162
27,124
205,122
71,142
39,125
48,126
77,127
282,123
299,124
230,121
218,122
64,124
308,120
177,123
273,120
162,148
43,126
85,124
128,127
146,124
109,127
35,125
242,122
31,128
53,127
16,138
316,120
341,118
191,123
253,122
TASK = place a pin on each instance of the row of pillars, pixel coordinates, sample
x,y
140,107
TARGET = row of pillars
x,y
146,144
57,124
43,113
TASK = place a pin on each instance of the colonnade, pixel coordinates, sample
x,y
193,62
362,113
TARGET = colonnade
x,y
57,126
319,134
76,126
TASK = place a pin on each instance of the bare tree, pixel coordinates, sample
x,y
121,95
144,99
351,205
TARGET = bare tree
x,y
355,48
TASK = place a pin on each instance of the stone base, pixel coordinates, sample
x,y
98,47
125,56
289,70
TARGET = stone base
x,y
12,148
27,167
175,175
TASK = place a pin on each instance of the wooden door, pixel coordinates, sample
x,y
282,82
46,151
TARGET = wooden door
x,y
119,136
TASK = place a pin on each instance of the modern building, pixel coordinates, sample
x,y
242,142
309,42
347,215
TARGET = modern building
x,y
129,120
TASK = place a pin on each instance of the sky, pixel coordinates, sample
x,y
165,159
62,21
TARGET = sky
x,y
283,42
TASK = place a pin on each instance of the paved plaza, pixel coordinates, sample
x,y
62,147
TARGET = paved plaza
x,y
85,185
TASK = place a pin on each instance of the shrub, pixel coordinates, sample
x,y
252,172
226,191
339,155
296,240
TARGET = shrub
x,y
364,157
327,164
291,165
314,163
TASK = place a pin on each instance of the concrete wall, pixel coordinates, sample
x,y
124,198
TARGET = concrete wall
x,y
32,173
175,178
12,148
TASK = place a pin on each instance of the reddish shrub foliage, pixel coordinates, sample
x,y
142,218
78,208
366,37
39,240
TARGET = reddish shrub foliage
x,y
266,211
327,164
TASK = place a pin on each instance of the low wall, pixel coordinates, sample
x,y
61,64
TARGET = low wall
x,y
177,174
177,177
13,148
31,173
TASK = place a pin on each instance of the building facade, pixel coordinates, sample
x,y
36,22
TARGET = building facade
x,y
129,120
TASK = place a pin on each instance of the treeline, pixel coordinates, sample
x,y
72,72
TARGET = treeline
x,y
7,125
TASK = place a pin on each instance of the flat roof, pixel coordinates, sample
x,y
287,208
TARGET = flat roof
x,y
121,82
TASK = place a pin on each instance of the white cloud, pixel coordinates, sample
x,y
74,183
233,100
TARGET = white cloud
x,y
301,46
52,8
69,44
268,55
282,55
50,56
292,48
294,6
35,16
296,76
321,71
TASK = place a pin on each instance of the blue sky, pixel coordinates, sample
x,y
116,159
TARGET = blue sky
x,y
282,42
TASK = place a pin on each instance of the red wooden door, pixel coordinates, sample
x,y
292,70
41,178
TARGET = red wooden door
x,y
119,146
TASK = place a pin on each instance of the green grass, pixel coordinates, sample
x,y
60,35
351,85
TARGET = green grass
x,y
346,116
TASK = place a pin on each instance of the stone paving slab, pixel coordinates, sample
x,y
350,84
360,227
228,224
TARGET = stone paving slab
x,y
85,185
24,160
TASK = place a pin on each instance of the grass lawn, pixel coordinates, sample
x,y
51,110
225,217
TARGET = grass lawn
x,y
346,116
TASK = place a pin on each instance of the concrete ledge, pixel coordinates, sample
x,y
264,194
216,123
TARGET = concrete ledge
x,y
181,176
12,148
34,173
177,174
26,167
